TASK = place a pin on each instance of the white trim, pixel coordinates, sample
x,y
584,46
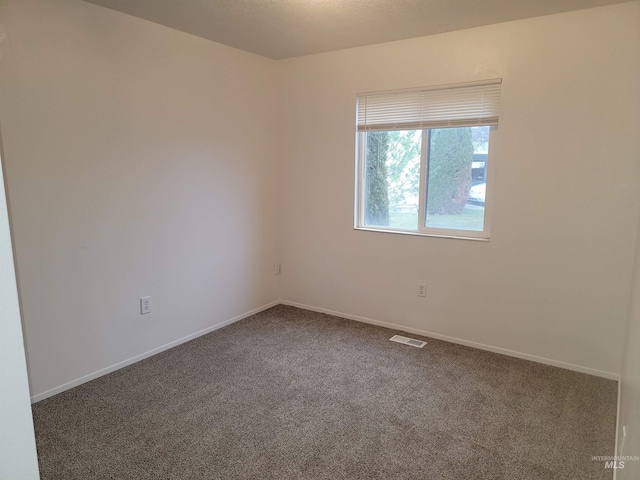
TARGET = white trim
x,y
422,229
423,181
117,366
615,448
359,186
534,358
459,341
421,233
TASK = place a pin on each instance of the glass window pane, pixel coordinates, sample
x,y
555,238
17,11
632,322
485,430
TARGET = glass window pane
x,y
392,179
456,178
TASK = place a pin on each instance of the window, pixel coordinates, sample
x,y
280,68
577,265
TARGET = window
x,y
423,157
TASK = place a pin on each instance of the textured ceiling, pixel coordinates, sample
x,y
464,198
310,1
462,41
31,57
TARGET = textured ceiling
x,y
289,28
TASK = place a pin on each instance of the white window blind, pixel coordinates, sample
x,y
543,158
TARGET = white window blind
x,y
459,105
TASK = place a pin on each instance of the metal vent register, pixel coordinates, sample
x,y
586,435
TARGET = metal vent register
x,y
408,341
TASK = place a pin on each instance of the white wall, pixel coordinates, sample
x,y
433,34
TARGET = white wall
x,y
553,282
17,449
139,162
628,415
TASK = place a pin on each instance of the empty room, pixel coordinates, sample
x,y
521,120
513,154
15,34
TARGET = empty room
x,y
320,239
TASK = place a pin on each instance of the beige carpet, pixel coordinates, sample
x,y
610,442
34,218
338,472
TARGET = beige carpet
x,y
291,394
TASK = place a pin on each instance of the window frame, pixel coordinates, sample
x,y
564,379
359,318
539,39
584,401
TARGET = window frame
x,y
422,229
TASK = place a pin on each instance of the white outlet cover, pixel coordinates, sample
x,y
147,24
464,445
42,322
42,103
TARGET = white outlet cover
x,y
145,305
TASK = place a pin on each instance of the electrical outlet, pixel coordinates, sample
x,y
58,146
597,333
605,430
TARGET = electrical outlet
x,y
422,290
145,305
276,269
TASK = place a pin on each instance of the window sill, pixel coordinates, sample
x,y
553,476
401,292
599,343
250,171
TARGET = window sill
x,y
423,234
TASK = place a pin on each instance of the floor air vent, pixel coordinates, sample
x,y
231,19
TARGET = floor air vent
x,y
408,341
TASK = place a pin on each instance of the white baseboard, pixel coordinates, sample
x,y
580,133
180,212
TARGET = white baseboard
x,y
534,358
616,445
446,338
142,356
